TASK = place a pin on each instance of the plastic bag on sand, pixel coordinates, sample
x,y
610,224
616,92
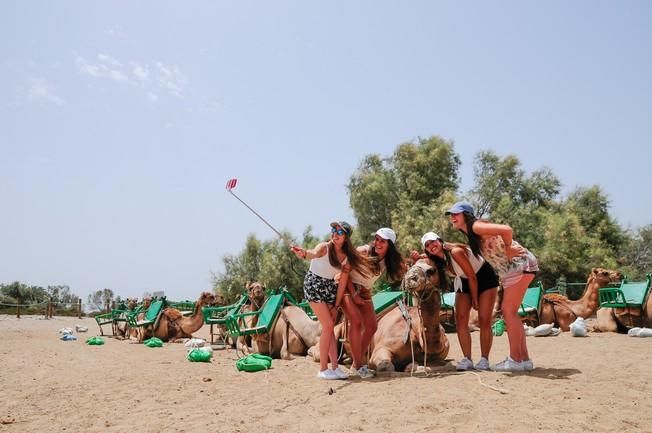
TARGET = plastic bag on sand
x,y
80,328
195,342
95,341
153,342
254,362
529,331
640,332
578,328
198,355
66,331
68,337
546,330
498,327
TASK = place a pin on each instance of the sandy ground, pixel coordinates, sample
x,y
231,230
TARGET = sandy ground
x,y
601,383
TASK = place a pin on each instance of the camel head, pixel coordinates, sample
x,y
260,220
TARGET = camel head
x,y
131,303
219,300
256,293
206,298
604,276
422,279
147,301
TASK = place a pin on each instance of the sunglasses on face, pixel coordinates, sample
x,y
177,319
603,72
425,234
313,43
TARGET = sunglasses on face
x,y
340,232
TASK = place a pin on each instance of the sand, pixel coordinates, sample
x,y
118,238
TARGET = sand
x,y
601,383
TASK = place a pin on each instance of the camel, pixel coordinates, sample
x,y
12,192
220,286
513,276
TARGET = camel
x,y
420,330
562,312
294,333
121,328
257,296
171,325
621,319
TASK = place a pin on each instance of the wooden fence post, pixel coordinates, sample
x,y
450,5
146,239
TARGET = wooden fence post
x,y
79,308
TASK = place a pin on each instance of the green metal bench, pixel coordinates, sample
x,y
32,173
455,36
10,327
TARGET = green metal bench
x,y
629,294
448,301
216,316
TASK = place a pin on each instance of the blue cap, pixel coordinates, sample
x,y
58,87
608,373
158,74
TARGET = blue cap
x,y
461,206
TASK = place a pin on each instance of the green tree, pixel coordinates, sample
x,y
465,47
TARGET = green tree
x,y
404,191
637,253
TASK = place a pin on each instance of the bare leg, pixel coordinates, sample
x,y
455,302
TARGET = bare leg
x,y
370,324
327,338
355,329
462,310
485,313
512,298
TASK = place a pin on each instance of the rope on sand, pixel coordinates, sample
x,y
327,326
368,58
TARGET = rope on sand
x,y
500,390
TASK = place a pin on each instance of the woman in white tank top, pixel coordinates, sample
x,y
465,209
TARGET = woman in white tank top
x,y
327,261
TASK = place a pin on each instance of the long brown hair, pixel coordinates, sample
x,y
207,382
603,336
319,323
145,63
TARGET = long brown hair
x,y
357,261
393,261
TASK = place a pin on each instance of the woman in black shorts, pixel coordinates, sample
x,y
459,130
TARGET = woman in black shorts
x,y
475,284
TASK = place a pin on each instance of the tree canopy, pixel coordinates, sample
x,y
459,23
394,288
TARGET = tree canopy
x,y
410,191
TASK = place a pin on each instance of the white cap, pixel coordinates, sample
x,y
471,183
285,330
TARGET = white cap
x,y
430,236
387,234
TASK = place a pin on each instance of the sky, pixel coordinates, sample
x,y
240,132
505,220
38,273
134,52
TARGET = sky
x,y
121,121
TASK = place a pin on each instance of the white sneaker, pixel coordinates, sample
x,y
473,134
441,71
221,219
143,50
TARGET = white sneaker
x,y
483,364
365,373
527,364
339,374
508,365
327,374
464,364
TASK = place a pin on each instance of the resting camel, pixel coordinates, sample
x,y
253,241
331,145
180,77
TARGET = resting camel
x,y
621,319
172,324
294,333
420,330
256,294
562,312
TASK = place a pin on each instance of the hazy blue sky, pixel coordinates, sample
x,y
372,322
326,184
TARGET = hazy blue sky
x,y
121,121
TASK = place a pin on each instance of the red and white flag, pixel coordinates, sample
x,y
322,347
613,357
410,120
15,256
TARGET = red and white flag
x,y
231,184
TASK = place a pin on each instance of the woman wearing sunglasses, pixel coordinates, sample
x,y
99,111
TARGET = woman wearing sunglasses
x,y
516,267
328,261
475,284
356,300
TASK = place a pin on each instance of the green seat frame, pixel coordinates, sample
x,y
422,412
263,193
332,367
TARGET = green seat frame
x,y
629,294
216,316
151,315
266,315
531,302
186,308
448,301
112,318
384,301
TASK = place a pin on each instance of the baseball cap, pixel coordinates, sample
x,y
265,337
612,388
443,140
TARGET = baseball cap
x,y
345,226
430,236
459,207
387,234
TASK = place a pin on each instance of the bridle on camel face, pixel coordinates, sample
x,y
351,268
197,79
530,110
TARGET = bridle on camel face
x,y
423,296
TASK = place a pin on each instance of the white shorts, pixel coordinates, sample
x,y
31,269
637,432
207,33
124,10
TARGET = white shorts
x,y
529,265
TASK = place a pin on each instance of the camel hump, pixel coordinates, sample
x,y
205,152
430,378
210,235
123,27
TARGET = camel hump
x,y
172,314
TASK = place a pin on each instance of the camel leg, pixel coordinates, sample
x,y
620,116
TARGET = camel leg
x,y
285,353
605,321
381,360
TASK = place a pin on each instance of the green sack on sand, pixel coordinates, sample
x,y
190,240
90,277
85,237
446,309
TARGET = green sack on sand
x,y
498,327
95,341
197,355
254,362
153,342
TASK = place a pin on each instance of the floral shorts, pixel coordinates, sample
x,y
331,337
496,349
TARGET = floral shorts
x,y
319,289
528,264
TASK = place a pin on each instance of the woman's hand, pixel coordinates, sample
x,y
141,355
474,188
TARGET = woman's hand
x,y
474,303
298,251
515,251
415,256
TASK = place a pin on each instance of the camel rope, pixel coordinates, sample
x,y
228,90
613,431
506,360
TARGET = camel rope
x,y
500,390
